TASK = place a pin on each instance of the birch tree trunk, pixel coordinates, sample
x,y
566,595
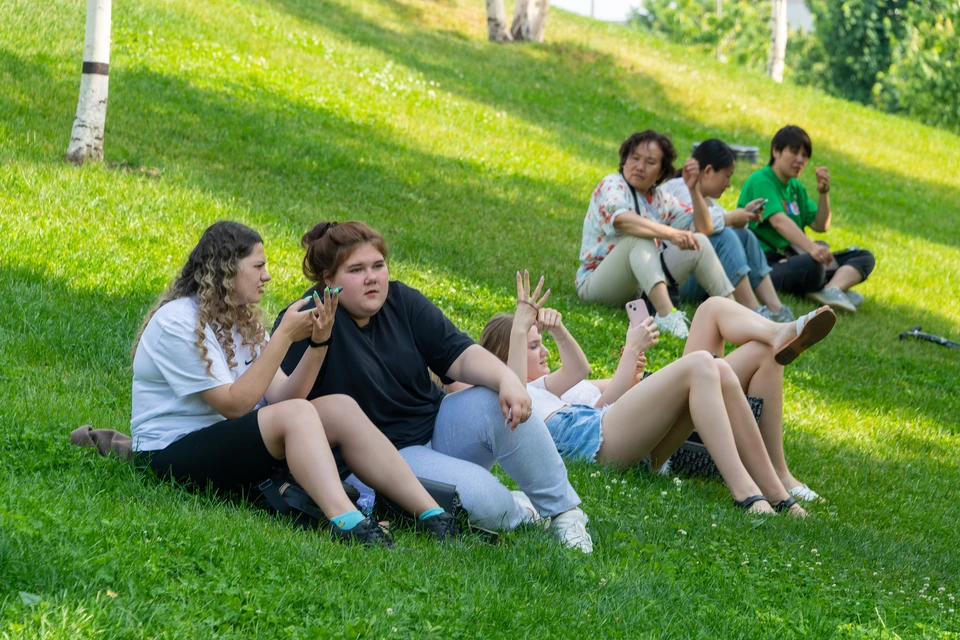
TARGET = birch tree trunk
x,y
530,20
497,22
86,139
778,39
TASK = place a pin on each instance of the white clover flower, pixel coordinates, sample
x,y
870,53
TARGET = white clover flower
x,y
682,532
389,611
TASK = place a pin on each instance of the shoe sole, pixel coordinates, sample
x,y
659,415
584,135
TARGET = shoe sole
x,y
833,304
814,330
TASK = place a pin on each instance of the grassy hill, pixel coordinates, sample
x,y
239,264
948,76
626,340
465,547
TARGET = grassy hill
x,y
475,160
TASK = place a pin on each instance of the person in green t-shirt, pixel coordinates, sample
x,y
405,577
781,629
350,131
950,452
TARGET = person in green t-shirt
x,y
800,265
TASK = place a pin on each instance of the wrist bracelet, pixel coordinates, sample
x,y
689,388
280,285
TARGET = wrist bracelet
x,y
325,343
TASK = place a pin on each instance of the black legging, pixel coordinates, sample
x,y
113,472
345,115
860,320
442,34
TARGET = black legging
x,y
802,274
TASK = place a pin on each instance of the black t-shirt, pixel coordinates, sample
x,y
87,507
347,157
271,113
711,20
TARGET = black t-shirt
x,y
383,366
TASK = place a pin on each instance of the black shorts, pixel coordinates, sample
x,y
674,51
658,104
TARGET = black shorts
x,y
230,456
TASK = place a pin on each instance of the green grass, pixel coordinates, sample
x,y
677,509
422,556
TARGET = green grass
x,y
475,160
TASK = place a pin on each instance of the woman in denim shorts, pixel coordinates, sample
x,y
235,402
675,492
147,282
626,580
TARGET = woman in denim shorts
x,y
621,422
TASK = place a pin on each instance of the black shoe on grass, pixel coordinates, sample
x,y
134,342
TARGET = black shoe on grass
x,y
443,526
367,532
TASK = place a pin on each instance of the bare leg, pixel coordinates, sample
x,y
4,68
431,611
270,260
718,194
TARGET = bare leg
x,y
292,430
660,299
750,444
762,377
744,294
768,295
845,277
648,413
370,454
718,320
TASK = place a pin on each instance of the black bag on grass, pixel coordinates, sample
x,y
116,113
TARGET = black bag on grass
x,y
693,459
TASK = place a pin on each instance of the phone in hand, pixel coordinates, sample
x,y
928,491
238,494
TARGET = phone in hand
x,y
637,311
758,207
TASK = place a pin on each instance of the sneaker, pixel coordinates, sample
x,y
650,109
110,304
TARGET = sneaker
x,y
805,493
784,315
524,503
570,529
674,323
854,297
443,526
834,297
368,532
765,312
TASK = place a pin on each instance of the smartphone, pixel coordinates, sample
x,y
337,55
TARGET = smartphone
x,y
637,311
759,206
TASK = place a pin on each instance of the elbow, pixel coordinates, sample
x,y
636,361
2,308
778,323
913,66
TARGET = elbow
x,y
707,228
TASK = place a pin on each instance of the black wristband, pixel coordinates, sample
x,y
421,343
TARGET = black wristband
x,y
325,343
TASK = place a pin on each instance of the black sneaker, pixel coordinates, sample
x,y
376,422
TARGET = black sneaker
x,y
443,526
367,532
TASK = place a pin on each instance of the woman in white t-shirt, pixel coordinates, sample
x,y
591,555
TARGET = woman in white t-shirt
x,y
211,406
622,421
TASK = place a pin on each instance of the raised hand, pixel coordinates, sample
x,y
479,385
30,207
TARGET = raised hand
x,y
642,336
528,305
324,315
823,179
549,320
296,324
691,174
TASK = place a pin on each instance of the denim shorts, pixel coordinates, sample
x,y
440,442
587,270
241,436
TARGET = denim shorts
x,y
577,431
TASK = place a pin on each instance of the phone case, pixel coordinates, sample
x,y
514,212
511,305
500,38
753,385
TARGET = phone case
x,y
637,311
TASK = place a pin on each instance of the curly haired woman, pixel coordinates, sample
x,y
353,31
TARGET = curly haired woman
x,y
211,406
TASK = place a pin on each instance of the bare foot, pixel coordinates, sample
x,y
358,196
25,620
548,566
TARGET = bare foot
x,y
796,511
761,507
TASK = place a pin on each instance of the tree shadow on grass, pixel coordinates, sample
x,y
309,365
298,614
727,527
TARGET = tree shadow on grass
x,y
588,102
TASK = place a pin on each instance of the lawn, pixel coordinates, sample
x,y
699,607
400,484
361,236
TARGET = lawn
x,y
475,160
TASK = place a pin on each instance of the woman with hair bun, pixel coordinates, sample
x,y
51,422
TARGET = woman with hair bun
x,y
387,339
210,405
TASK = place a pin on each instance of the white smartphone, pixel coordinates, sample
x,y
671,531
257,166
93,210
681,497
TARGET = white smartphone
x,y
758,207
637,311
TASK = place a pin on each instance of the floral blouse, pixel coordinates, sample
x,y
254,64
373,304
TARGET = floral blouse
x,y
611,198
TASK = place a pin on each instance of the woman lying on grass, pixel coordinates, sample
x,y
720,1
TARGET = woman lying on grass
x,y
210,406
387,339
621,421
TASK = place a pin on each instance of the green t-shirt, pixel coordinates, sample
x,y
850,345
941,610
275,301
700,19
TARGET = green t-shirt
x,y
791,198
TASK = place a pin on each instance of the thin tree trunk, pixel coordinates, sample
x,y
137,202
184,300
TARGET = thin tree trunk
x,y
497,22
778,39
530,20
720,56
86,139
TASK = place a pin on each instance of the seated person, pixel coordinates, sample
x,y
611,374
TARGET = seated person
x,y
387,339
800,265
628,242
211,406
622,421
736,246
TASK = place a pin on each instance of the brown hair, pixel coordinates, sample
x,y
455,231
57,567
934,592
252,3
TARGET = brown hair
x,y
645,138
496,335
209,276
329,244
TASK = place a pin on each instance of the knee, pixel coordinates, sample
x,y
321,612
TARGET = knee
x,y
711,307
728,377
702,364
292,415
490,506
338,404
866,262
705,245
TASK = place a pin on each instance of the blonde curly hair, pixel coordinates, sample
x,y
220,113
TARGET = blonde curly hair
x,y
209,276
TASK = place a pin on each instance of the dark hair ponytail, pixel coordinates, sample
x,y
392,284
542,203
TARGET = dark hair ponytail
x,y
713,153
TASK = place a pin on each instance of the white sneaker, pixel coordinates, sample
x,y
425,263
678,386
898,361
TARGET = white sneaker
x,y
531,515
674,323
805,493
570,529
833,297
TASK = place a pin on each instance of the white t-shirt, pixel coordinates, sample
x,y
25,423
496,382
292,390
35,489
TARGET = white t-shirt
x,y
678,189
545,403
168,376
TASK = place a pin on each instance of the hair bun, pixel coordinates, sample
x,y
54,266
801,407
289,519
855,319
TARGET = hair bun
x,y
316,233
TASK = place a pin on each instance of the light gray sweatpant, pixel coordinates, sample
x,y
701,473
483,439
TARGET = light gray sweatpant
x,y
469,436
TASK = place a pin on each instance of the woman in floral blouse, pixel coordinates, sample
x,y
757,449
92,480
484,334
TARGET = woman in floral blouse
x,y
628,242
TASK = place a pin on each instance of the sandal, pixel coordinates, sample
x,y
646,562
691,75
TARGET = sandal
x,y
787,505
746,503
811,329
